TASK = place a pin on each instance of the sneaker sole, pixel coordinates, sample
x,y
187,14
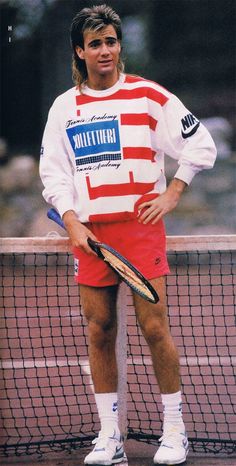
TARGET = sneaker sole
x,y
123,459
172,464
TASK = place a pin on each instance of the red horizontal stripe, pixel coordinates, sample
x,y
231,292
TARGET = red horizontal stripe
x,y
120,189
152,123
157,96
134,119
143,153
129,78
135,79
112,217
138,119
126,94
123,216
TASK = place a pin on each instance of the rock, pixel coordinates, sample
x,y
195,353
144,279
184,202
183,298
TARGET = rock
x,y
18,174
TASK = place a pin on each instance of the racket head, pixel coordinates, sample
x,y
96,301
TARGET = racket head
x,y
126,271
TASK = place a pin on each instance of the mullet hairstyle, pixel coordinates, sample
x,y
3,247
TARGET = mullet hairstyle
x,y
93,19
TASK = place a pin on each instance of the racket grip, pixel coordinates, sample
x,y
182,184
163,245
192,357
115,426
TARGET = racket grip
x,y
54,215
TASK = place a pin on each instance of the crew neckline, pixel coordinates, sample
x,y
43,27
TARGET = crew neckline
x,y
111,90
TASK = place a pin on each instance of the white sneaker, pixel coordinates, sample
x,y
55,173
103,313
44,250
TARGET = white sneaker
x,y
174,447
107,451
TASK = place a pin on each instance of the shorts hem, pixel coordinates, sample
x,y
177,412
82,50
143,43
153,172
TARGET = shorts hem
x,y
157,274
96,285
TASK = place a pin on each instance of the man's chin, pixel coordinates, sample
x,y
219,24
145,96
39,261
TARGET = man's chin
x,y
109,68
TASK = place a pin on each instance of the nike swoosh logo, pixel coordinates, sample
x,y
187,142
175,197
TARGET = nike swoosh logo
x,y
114,407
185,443
191,132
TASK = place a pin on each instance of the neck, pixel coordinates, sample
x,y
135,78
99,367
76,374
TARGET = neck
x,y
101,83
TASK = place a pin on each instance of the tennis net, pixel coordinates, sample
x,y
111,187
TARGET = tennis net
x,y
47,400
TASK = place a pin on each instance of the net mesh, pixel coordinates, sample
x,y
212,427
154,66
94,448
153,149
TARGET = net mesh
x,y
47,397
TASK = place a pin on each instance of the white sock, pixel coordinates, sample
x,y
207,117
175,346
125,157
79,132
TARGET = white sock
x,y
107,405
172,404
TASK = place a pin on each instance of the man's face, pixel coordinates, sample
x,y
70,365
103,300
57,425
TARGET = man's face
x,y
101,52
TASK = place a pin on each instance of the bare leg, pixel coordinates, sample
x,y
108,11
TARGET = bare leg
x,y
153,320
154,324
99,305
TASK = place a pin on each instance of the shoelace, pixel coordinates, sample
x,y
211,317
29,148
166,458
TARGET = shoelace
x,y
170,438
101,442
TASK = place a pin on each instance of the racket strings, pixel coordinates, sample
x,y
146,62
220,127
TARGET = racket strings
x,y
126,272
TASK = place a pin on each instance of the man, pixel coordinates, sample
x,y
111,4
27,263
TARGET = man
x,y
102,167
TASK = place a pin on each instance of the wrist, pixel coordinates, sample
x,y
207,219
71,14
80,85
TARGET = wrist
x,y
69,217
177,187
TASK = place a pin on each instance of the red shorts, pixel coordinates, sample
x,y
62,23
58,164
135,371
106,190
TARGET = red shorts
x,y
143,245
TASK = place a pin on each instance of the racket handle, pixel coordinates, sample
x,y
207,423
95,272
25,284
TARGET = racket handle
x,y
94,245
54,215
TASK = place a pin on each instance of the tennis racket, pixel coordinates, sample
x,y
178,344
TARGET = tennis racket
x,y
126,271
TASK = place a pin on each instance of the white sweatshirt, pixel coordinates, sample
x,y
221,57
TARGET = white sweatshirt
x,y
103,150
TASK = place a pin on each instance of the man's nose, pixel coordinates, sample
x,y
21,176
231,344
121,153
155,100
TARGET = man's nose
x,y
104,49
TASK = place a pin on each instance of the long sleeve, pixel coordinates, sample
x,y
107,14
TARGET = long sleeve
x,y
185,139
56,168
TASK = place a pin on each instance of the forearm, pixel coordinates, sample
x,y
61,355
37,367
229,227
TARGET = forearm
x,y
176,188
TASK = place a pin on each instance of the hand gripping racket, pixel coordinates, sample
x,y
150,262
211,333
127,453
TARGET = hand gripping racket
x,y
126,271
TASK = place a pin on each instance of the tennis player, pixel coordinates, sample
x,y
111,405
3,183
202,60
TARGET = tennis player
x,y
102,165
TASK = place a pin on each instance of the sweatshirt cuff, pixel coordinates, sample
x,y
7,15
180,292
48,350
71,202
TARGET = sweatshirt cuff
x,y
186,173
64,205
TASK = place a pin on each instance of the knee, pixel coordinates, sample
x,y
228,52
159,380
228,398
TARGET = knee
x,y
99,309
155,329
102,331
153,333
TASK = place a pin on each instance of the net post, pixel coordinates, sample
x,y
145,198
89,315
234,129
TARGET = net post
x,y
121,354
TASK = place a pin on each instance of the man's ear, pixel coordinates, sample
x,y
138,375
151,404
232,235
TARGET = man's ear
x,y
80,52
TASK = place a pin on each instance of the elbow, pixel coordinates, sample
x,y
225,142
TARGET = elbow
x,y
212,151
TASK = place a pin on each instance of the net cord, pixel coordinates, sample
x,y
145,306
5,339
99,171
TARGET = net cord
x,y
62,244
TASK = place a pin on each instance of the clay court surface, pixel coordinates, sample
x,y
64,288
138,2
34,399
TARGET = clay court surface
x,y
139,454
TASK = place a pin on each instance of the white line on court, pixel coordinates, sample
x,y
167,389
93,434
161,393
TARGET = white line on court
x,y
84,364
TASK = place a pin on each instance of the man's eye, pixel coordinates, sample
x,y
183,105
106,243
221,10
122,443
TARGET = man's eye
x,y
94,44
111,42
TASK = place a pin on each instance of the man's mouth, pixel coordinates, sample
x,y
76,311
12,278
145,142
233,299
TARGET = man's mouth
x,y
105,62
